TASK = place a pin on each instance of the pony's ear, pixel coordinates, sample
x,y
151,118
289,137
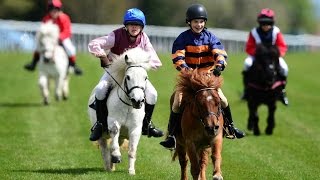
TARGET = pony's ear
x,y
126,58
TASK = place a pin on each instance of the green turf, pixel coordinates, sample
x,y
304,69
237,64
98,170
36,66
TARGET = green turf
x,y
38,142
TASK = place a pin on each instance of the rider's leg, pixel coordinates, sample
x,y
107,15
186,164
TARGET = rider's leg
x,y
283,76
102,91
247,64
228,121
151,97
71,52
174,119
32,65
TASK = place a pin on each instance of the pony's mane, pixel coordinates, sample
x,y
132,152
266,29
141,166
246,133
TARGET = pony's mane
x,y
189,82
132,57
267,51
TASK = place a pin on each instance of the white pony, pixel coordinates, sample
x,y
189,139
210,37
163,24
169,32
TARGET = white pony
x,y
53,62
125,106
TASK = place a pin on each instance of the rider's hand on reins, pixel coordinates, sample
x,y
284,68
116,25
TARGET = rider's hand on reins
x,y
217,70
104,61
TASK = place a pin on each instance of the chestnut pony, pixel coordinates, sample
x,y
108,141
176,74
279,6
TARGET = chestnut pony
x,y
201,132
263,86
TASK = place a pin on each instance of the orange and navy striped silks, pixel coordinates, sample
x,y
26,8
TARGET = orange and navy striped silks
x,y
220,55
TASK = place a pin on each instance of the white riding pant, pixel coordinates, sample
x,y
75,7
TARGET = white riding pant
x,y
69,47
283,65
178,99
106,81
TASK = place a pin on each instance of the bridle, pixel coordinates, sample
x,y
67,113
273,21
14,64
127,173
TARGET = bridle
x,y
126,89
210,113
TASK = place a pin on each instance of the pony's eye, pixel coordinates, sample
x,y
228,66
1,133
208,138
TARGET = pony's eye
x,y
128,78
146,78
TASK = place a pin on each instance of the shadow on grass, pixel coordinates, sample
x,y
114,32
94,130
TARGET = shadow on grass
x,y
19,105
73,171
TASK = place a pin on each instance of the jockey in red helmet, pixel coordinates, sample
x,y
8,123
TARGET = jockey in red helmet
x,y
129,36
197,48
57,16
266,33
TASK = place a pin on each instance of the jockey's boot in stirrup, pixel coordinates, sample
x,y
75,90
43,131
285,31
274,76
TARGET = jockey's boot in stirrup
x,y
283,97
32,65
101,124
244,95
148,128
170,141
233,131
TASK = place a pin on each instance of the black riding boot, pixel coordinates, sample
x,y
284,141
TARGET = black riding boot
x,y
245,84
148,128
283,95
76,69
32,65
101,124
170,141
230,126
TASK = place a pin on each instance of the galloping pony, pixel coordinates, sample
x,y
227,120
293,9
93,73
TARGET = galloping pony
x,y
125,106
53,62
202,122
263,86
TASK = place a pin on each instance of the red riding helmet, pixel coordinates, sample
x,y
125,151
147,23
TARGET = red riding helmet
x,y
54,4
266,16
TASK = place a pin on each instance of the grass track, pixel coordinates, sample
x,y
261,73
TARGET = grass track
x,y
51,142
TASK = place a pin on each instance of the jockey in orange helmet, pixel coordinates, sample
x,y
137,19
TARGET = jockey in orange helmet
x,y
266,33
58,17
197,48
117,41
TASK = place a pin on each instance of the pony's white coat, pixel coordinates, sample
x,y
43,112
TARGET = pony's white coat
x,y
53,62
120,114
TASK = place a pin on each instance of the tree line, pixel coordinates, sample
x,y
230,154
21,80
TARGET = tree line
x,y
292,16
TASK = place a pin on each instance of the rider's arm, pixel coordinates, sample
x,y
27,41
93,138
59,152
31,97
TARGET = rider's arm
x,y
154,59
251,45
281,44
98,46
178,54
65,29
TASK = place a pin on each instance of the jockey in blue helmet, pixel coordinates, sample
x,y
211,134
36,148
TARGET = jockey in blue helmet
x,y
118,41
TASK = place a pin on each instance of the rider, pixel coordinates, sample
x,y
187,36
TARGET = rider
x,y
197,48
266,33
117,41
57,16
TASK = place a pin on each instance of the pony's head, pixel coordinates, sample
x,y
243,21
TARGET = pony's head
x,y
134,64
200,91
265,65
47,40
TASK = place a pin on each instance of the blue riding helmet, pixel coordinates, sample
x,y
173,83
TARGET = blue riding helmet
x,y
134,16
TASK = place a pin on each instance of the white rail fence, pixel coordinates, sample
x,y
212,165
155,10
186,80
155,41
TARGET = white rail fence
x,y
19,35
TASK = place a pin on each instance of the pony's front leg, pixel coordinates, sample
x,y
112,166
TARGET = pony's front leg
x,y
105,153
134,138
203,163
270,121
43,84
65,89
59,81
183,161
194,159
216,157
114,130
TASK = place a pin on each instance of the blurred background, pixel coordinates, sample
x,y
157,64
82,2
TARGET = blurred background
x,y
230,20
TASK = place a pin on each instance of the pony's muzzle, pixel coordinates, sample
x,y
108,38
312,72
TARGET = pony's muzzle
x,y
137,104
212,131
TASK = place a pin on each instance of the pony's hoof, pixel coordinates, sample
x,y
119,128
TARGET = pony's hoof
x,y
115,159
256,132
217,177
132,172
45,102
269,131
